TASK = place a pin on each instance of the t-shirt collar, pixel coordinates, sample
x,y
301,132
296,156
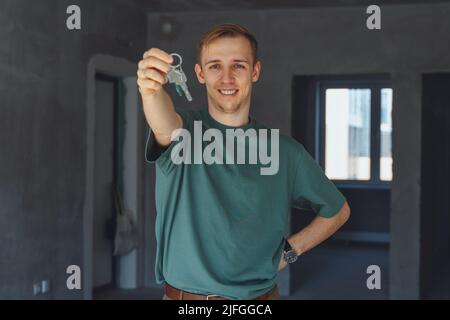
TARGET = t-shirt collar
x,y
223,127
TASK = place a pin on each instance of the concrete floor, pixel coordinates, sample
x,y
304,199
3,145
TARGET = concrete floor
x,y
330,271
338,271
440,288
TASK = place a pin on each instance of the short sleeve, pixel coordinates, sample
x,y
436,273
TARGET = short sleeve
x,y
313,190
155,153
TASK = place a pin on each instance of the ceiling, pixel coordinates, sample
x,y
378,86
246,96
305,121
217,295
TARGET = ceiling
x,y
222,5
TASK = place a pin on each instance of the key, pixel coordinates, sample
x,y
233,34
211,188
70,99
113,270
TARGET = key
x,y
177,76
185,89
174,76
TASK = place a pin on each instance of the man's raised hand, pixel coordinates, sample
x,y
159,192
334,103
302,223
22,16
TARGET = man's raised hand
x,y
152,71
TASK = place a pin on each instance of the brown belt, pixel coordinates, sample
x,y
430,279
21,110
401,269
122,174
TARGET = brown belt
x,y
176,294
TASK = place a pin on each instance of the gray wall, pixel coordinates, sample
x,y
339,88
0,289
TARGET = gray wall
x,y
43,110
43,132
335,41
435,180
414,38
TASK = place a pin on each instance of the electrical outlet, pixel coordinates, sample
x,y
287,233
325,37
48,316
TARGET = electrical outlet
x,y
41,287
45,286
37,289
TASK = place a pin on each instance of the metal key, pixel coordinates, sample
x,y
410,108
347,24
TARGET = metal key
x,y
177,76
179,79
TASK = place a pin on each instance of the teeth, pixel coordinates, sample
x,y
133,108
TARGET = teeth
x,y
228,91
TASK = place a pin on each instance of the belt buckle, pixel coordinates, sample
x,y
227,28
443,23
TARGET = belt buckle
x,y
211,296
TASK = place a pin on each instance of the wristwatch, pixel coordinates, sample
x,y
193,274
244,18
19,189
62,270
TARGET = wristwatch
x,y
289,254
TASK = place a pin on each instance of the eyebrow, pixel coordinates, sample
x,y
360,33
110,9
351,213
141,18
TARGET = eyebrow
x,y
235,60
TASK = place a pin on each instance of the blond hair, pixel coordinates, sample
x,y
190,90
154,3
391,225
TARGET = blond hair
x,y
227,30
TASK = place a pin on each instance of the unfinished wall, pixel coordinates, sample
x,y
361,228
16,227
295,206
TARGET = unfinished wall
x,y
43,132
43,110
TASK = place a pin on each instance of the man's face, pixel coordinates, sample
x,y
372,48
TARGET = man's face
x,y
227,70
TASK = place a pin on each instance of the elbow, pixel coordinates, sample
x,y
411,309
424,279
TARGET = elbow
x,y
343,215
345,212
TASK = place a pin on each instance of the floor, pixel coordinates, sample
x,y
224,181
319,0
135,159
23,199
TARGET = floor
x,y
440,290
338,270
330,271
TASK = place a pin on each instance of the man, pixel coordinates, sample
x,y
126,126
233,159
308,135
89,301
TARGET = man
x,y
220,227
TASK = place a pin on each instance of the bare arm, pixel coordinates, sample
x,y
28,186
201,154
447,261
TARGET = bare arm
x,y
157,104
317,231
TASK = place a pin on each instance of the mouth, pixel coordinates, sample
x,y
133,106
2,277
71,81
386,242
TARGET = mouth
x,y
228,92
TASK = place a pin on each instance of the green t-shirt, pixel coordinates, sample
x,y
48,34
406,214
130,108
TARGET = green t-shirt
x,y
220,227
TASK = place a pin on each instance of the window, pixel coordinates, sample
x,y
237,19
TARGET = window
x,y
347,134
355,130
386,135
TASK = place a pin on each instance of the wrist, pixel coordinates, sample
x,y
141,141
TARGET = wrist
x,y
289,254
295,244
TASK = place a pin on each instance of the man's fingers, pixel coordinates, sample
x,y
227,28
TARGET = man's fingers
x,y
152,74
153,62
146,84
152,71
160,54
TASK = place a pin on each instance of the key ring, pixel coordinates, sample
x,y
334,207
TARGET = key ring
x,y
179,57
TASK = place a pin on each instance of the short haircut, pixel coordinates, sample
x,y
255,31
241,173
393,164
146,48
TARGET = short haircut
x,y
227,30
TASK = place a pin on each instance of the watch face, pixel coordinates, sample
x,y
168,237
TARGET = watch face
x,y
290,256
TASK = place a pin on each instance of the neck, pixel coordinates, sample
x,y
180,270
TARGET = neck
x,y
235,119
238,118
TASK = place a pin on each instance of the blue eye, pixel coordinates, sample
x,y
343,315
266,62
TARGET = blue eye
x,y
240,66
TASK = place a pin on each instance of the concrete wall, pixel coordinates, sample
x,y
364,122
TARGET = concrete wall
x,y
335,41
323,41
43,132
43,110
435,200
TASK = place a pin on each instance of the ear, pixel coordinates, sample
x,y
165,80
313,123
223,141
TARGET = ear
x,y
199,73
256,71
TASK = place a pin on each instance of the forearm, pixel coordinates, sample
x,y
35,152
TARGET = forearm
x,y
161,116
318,230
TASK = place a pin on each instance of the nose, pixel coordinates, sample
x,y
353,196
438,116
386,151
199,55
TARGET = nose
x,y
227,76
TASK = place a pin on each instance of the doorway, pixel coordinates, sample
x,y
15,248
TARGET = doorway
x,y
115,140
105,178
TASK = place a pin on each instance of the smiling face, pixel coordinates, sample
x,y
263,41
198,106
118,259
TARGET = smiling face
x,y
228,71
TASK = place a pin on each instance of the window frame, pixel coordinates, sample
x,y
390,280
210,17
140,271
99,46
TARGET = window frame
x,y
375,85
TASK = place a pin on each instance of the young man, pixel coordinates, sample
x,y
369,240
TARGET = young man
x,y
220,226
